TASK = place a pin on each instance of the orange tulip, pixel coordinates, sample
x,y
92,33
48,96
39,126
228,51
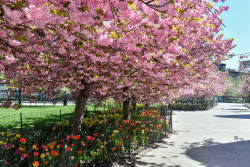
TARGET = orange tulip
x,y
45,162
79,152
21,149
35,163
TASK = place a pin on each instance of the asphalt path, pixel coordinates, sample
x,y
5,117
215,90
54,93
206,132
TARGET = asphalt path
x,y
219,137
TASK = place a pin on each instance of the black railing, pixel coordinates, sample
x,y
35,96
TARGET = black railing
x,y
193,104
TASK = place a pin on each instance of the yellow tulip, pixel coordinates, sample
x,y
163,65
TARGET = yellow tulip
x,y
34,147
116,131
42,155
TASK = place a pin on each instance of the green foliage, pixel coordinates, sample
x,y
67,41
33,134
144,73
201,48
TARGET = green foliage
x,y
59,12
189,107
235,90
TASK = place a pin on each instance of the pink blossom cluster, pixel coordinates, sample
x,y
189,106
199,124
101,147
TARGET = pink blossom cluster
x,y
110,48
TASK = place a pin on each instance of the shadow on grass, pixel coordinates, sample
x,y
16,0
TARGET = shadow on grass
x,y
40,107
45,107
46,120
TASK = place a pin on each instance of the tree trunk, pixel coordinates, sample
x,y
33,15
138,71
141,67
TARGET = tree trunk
x,y
134,103
126,108
20,96
126,105
65,100
80,107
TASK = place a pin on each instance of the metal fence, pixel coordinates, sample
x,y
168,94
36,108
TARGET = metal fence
x,y
17,120
194,104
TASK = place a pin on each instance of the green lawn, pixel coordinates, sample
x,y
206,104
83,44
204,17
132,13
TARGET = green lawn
x,y
10,118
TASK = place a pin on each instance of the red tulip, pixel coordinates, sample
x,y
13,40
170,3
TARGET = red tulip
x,y
90,138
35,154
22,140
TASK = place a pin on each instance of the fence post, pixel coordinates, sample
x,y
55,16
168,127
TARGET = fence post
x,y
145,130
171,125
104,140
86,112
156,123
21,122
164,119
60,115
129,140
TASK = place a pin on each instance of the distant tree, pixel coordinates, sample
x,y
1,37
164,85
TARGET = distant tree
x,y
235,88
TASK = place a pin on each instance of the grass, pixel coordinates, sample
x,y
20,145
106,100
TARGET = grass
x,y
10,118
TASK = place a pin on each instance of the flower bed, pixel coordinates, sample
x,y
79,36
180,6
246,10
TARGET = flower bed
x,y
105,137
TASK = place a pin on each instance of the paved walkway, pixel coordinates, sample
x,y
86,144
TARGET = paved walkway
x,y
219,137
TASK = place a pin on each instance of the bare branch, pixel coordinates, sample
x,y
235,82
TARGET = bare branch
x,y
213,13
155,6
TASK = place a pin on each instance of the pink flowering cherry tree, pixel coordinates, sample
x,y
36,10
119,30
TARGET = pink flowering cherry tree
x,y
108,48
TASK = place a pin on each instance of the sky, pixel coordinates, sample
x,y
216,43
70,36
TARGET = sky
x,y
237,22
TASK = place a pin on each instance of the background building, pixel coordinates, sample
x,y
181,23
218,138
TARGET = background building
x,y
245,66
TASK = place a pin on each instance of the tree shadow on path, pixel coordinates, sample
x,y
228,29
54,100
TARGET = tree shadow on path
x,y
244,116
234,154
